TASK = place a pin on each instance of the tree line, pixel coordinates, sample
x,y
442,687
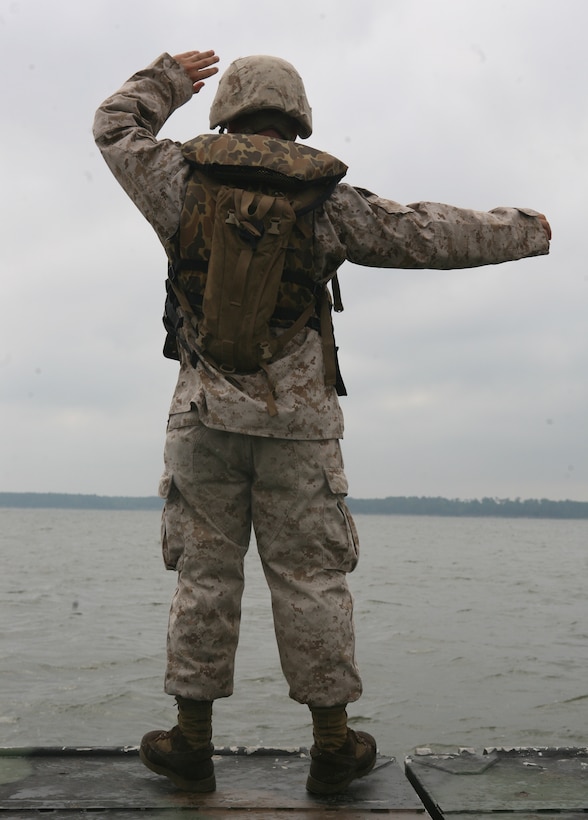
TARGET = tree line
x,y
482,508
73,501
393,505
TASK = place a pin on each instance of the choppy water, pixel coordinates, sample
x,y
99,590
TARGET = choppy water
x,y
470,632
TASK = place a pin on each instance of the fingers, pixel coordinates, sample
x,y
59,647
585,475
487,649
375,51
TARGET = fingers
x,y
198,65
197,58
192,56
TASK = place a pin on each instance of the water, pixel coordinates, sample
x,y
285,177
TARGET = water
x,y
471,632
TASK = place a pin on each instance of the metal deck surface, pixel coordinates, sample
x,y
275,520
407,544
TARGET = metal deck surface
x,y
261,783
546,783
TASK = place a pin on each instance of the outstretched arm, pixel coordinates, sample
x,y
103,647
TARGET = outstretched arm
x,y
381,233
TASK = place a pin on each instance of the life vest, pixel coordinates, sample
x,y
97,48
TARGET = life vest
x,y
242,261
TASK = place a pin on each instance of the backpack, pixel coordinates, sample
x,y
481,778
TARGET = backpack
x,y
249,203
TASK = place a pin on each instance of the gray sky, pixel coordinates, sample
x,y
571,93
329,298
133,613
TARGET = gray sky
x,y
462,383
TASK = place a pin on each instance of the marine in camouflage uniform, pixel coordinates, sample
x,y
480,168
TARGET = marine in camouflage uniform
x,y
229,464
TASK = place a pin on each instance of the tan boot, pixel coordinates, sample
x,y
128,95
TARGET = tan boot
x,y
331,772
170,754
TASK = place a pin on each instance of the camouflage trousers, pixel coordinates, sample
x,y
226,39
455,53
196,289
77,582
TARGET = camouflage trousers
x,y
217,485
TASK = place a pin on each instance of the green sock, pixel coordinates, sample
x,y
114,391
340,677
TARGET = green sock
x,y
329,726
195,720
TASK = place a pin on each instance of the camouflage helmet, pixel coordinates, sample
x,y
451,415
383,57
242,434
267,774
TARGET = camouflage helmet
x,y
260,83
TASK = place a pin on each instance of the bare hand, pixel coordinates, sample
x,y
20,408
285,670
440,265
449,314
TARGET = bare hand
x,y
198,65
545,225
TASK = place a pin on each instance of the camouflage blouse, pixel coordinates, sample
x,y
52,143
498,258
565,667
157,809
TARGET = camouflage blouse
x,y
354,225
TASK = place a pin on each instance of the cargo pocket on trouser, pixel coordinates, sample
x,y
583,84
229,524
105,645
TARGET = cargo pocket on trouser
x,y
172,529
341,540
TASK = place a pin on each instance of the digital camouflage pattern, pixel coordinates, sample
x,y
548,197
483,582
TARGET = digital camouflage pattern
x,y
258,83
303,529
353,225
305,538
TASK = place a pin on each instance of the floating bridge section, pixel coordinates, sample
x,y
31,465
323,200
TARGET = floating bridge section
x,y
260,784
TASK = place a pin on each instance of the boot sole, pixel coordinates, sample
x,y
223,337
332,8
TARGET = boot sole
x,y
206,784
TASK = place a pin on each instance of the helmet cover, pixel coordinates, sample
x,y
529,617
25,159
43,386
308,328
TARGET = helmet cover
x,y
259,83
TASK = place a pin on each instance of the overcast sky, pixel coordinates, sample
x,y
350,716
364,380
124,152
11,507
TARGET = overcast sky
x,y
461,384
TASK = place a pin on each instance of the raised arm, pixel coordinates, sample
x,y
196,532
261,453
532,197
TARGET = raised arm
x,y
151,171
